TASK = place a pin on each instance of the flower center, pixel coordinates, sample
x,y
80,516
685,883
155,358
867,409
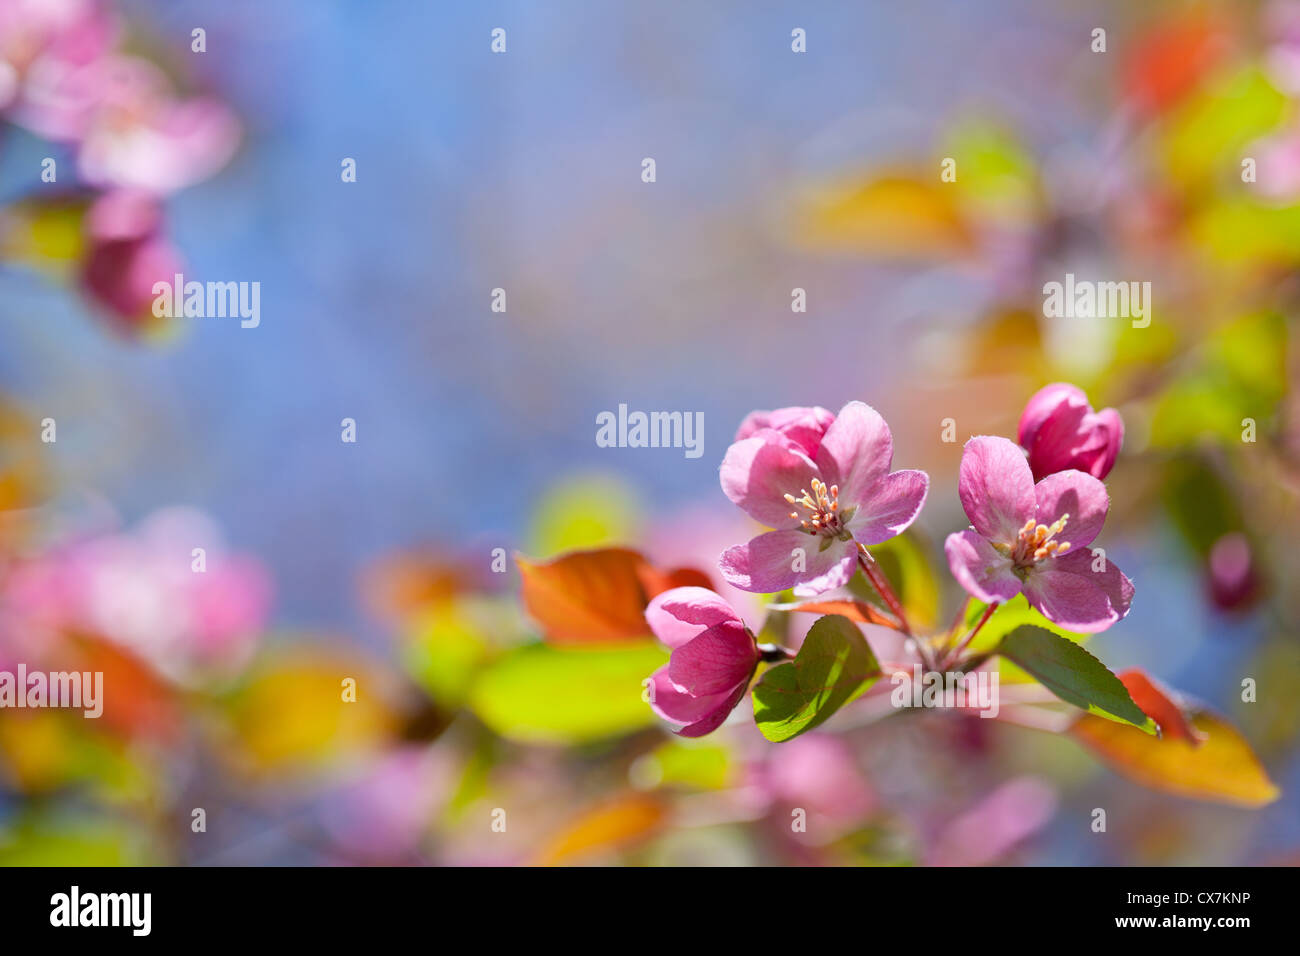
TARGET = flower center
x,y
822,508
1037,542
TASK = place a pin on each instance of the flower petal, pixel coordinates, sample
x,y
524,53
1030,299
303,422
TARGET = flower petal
x,y
1079,495
768,563
996,488
757,473
890,506
1046,404
980,569
856,451
1109,421
673,703
1068,591
718,715
803,426
715,661
680,614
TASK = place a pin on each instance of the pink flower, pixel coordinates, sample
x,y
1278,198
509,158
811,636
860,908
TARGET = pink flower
x,y
1233,581
823,503
988,831
141,137
1033,539
818,772
142,591
126,253
1060,431
803,426
49,51
713,658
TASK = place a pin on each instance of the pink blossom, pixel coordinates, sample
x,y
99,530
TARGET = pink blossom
x,y
818,772
141,137
145,591
713,659
1060,431
1232,578
49,50
988,831
803,426
823,505
382,815
126,253
1033,539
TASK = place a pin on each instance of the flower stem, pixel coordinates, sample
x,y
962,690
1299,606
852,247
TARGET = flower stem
x,y
878,580
965,642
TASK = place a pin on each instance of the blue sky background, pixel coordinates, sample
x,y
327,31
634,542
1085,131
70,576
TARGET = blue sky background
x,y
523,171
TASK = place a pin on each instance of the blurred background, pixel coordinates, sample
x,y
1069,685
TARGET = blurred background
x,y
475,429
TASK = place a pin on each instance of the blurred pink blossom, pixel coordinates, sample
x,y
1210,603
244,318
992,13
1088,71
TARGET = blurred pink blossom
x,y
141,590
126,253
382,816
141,137
989,830
49,52
818,773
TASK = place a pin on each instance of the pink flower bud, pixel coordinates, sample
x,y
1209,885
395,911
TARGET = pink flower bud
x,y
1060,431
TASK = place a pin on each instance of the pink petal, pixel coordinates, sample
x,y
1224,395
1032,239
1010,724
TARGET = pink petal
x,y
673,703
718,715
1080,496
1109,421
715,661
701,715
890,506
757,473
1046,404
1066,590
980,569
767,563
680,614
856,451
996,488
803,426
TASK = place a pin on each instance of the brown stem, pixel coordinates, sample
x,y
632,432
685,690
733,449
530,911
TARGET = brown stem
x,y
881,584
965,642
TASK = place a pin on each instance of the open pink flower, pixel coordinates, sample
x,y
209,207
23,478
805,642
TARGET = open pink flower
x,y
141,136
1060,431
49,52
1033,539
822,504
803,426
713,659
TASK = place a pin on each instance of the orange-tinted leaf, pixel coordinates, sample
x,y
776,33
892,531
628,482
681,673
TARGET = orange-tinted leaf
x,y
596,597
890,216
401,585
136,701
610,826
1222,768
1170,59
861,611
1159,703
294,714
656,582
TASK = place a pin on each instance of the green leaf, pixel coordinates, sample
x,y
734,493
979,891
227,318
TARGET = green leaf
x,y
834,665
1073,675
905,561
542,694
